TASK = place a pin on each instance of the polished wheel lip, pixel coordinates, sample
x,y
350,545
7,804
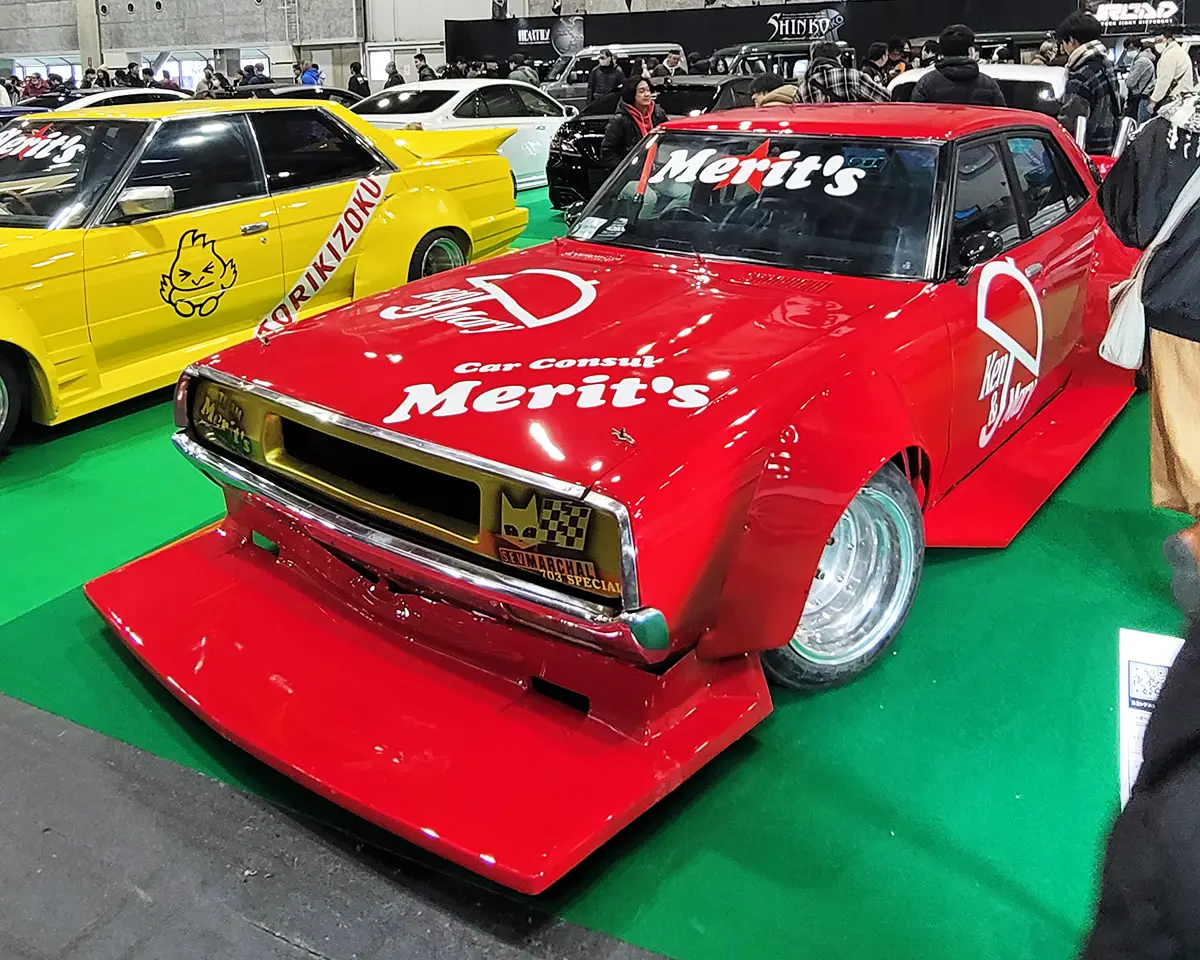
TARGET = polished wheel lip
x,y
5,405
443,254
897,541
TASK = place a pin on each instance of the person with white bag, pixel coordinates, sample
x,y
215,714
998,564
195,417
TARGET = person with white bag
x,y
1151,199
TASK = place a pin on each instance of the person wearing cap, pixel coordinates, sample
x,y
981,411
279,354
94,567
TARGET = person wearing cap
x,y
605,77
522,71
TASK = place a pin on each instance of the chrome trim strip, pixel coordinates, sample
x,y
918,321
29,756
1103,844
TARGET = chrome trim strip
x,y
629,578
324,415
622,631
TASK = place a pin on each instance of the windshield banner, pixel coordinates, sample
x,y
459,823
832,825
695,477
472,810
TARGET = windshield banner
x,y
760,171
54,146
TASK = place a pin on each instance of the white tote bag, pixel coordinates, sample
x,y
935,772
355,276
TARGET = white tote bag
x,y
1126,337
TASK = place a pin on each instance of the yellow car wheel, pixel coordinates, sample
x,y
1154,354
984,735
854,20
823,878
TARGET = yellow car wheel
x,y
12,397
437,252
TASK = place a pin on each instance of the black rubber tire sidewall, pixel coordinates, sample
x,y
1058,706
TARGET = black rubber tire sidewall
x,y
14,382
786,667
427,241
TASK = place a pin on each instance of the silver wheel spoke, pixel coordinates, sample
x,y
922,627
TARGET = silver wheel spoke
x,y
443,254
5,405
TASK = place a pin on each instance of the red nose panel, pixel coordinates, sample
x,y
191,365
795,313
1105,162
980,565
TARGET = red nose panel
x,y
511,777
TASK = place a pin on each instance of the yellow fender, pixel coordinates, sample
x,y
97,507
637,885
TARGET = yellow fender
x,y
18,328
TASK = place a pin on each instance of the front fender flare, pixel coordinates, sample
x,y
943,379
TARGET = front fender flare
x,y
17,328
833,445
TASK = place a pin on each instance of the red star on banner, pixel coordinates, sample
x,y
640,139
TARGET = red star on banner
x,y
756,177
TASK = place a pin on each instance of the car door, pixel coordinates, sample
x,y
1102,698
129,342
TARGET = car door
x,y
327,185
497,105
1009,319
547,116
207,268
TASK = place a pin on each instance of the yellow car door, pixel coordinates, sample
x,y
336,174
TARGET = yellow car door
x,y
189,255
328,185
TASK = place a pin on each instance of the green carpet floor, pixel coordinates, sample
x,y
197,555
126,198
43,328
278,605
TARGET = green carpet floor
x,y
949,805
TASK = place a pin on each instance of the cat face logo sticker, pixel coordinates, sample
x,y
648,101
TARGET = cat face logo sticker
x,y
494,303
553,523
1007,399
198,278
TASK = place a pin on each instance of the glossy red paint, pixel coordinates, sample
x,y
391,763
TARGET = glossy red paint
x,y
420,716
751,402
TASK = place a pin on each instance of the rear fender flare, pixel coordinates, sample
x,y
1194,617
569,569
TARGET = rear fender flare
x,y
831,447
18,329
408,215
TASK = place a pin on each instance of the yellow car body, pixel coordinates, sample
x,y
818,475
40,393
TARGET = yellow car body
x,y
99,305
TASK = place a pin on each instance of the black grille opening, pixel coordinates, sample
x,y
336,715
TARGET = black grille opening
x,y
414,486
552,691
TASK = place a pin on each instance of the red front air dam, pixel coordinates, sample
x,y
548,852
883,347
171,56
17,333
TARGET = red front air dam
x,y
465,762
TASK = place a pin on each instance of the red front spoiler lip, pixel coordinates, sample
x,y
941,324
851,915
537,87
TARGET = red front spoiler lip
x,y
464,760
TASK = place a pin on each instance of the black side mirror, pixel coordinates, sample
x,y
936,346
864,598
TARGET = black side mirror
x,y
571,213
978,248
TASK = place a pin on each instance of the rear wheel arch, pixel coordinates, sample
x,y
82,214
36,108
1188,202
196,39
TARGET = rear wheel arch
x,y
16,389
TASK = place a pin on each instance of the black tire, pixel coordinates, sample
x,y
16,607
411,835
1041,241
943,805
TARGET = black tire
x,y
867,579
437,252
13,396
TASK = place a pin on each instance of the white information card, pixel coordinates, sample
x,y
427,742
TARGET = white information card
x,y
1143,661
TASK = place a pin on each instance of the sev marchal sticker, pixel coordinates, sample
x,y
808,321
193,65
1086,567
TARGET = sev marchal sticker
x,y
542,523
365,199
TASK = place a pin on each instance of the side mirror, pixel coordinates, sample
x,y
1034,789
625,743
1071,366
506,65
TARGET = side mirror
x,y
570,112
572,212
978,248
145,201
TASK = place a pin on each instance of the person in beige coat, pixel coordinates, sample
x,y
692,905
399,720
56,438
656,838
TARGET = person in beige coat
x,y
767,89
1173,77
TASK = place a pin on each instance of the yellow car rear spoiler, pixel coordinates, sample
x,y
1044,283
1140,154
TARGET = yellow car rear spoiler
x,y
447,144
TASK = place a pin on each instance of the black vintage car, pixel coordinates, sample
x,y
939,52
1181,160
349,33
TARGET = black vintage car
x,y
574,170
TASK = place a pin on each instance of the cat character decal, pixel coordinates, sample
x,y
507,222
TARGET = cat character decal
x,y
550,522
198,278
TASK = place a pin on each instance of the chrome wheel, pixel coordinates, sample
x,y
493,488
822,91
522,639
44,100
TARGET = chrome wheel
x,y
443,254
864,586
5,405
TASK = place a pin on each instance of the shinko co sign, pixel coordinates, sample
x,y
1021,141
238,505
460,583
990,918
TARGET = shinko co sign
x,y
818,25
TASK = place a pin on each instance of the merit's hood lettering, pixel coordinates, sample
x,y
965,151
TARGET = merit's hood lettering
x,y
581,342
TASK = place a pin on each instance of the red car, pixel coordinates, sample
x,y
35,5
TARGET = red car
x,y
508,551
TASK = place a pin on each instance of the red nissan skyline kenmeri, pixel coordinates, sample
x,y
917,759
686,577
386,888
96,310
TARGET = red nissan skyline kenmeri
x,y
508,551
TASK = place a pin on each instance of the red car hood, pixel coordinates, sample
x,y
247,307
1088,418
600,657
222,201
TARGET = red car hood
x,y
585,340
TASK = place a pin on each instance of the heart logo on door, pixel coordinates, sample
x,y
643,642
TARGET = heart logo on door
x,y
1007,400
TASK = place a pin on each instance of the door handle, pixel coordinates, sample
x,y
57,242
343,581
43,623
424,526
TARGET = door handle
x,y
1033,270
541,126
249,229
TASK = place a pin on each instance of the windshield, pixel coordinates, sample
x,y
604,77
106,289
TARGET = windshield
x,y
557,68
52,173
855,207
683,101
405,101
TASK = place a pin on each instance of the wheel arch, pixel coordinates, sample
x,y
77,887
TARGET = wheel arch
x,y
20,338
821,460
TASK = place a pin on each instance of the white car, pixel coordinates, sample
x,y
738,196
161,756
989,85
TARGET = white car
x,y
1025,86
106,97
477,104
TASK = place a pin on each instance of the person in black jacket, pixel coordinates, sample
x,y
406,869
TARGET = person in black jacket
x,y
1092,89
637,114
605,77
357,82
1151,880
1136,197
955,78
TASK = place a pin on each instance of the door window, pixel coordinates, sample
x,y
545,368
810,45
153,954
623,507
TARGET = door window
x,y
500,100
537,104
468,109
204,160
982,196
303,148
1038,182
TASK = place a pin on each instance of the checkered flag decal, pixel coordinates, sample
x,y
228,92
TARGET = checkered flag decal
x,y
564,524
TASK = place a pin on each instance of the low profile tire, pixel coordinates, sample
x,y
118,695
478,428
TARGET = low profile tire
x,y
437,252
864,587
12,397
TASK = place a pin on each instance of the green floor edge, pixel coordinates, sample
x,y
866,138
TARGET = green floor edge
x,y
949,805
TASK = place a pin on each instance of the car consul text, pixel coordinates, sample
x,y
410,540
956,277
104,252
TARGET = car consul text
x,y
365,200
1007,399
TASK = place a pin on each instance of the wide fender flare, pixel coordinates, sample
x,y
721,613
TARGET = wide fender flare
x,y
409,214
834,444
18,328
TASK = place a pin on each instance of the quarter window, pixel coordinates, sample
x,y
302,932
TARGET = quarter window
x,y
537,104
500,101
982,196
204,160
303,148
1038,182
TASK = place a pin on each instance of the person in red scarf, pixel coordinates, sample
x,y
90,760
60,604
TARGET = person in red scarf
x,y
636,116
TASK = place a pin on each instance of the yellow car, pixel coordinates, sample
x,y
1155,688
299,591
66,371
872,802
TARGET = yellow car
x,y
134,241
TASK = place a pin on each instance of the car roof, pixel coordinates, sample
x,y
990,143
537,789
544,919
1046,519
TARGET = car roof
x,y
281,89
628,48
472,83
891,121
698,79
188,107
768,46
1028,72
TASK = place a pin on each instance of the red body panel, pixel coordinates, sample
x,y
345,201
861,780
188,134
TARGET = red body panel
x,y
417,714
751,402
